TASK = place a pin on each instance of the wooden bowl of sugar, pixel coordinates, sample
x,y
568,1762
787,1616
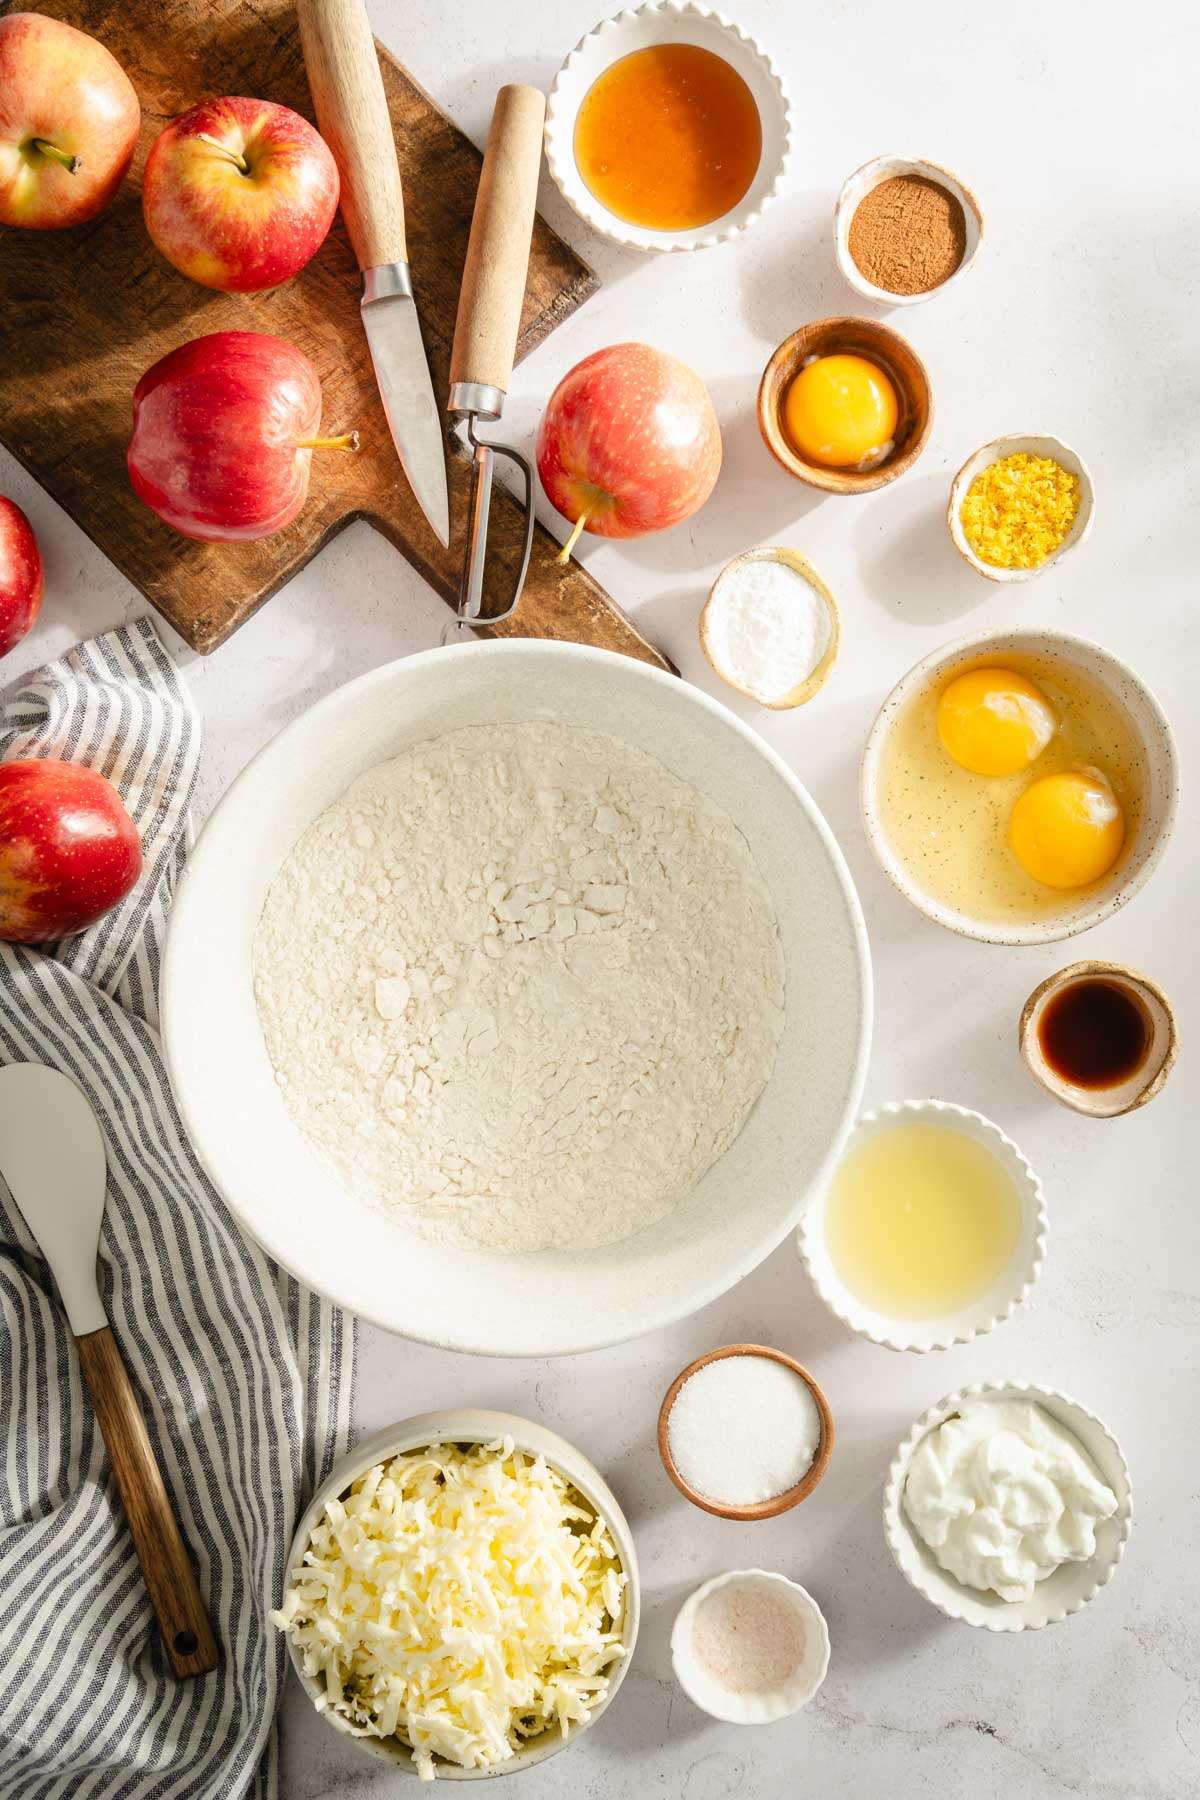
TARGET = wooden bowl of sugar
x,y
745,1432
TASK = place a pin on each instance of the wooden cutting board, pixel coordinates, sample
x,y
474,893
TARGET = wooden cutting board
x,y
88,310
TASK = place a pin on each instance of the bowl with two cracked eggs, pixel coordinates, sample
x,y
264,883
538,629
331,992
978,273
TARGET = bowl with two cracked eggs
x,y
538,961
1020,786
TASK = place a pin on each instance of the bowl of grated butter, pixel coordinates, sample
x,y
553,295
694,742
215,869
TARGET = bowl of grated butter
x,y
462,1595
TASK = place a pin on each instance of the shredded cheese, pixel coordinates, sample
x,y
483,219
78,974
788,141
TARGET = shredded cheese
x,y
464,1600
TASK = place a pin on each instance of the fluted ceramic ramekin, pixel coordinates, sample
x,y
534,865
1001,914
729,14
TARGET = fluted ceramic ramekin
x,y
703,1688
1072,1585
1010,1289
669,22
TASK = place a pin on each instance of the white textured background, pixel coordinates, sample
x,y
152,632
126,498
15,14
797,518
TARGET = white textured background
x,y
1076,125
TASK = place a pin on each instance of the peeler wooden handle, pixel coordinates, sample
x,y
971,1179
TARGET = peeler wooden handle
x,y
187,1635
347,91
493,286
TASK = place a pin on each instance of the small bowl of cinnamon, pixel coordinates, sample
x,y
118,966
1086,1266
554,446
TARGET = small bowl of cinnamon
x,y
905,230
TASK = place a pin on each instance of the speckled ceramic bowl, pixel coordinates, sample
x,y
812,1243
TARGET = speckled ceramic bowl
x,y
1011,1288
854,192
1157,783
1072,1585
669,22
474,1425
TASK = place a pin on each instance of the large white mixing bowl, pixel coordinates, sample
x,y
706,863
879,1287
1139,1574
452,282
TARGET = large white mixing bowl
x,y
552,1302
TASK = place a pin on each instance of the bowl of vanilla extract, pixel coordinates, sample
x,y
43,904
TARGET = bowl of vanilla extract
x,y
1100,1037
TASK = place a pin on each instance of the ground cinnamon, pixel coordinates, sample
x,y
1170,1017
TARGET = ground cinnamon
x,y
908,235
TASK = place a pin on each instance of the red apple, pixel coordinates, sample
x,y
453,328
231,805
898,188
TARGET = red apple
x,y
68,850
629,443
223,434
239,194
20,575
69,121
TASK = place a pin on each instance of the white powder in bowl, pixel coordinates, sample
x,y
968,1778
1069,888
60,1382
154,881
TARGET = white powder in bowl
x,y
521,987
743,1429
767,627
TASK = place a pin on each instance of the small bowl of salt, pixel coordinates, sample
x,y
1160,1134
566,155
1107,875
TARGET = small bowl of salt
x,y
770,627
750,1647
745,1432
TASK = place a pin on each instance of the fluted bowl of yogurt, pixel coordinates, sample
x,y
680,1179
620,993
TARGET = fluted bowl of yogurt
x,y
1008,1506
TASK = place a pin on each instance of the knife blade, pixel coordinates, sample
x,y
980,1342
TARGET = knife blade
x,y
347,91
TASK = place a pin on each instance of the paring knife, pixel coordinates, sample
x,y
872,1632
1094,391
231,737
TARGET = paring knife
x,y
52,1157
489,318
347,90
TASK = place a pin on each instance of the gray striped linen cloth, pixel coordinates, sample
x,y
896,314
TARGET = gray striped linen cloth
x,y
244,1376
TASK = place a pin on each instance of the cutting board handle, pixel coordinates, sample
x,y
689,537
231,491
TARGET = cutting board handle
x,y
170,1581
352,111
493,288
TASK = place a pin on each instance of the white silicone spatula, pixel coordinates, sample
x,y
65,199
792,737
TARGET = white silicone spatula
x,y
52,1157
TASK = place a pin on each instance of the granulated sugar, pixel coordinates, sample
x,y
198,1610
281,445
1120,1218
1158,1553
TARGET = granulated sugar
x,y
743,1429
748,1636
767,627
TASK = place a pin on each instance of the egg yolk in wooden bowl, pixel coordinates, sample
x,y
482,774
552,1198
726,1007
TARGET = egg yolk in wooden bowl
x,y
1010,791
841,412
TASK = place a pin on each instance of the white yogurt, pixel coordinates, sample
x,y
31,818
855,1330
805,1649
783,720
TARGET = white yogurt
x,y
1002,1495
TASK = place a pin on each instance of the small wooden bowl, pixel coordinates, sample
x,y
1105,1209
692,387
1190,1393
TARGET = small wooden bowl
x,y
1126,1096
778,1503
856,337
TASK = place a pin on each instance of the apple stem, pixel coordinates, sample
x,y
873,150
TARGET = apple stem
x,y
242,165
347,441
70,163
564,555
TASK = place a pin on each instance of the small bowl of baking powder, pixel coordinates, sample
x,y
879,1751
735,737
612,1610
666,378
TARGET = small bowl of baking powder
x,y
750,1647
745,1432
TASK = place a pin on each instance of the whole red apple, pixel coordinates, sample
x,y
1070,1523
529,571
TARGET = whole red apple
x,y
239,194
629,443
223,434
20,575
69,121
68,849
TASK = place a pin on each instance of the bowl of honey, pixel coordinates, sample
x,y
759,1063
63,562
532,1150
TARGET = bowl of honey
x,y
845,405
668,128
1099,1037
1020,786
932,1230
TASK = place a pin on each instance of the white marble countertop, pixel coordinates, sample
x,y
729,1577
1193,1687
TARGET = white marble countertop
x,y
1077,130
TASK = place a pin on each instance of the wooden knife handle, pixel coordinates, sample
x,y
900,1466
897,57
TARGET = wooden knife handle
x,y
352,111
187,1635
493,287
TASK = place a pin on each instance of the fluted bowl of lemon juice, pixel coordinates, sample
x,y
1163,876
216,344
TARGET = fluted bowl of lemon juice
x,y
932,1230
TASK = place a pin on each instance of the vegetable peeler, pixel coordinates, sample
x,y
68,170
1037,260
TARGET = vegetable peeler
x,y
489,316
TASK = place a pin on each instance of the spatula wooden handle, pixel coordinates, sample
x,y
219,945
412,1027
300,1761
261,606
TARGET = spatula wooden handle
x,y
493,287
352,111
187,1635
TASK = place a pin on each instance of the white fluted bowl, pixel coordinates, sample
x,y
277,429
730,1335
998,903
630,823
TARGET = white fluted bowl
x,y
1012,1286
1072,1586
669,22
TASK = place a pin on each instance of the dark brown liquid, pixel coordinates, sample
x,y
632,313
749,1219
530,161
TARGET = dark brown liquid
x,y
1093,1033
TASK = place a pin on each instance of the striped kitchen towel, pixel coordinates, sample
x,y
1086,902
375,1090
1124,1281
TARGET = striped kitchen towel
x,y
244,1376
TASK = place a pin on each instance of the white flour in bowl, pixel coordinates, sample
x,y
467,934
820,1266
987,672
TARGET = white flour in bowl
x,y
521,986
